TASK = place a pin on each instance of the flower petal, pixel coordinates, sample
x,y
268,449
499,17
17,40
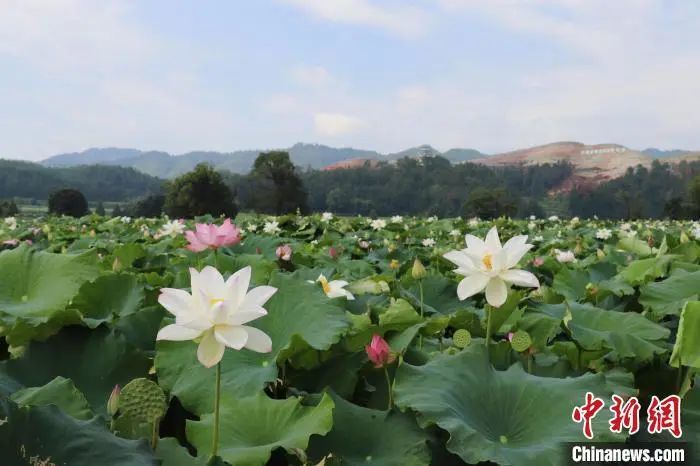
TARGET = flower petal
x,y
231,336
211,282
177,302
176,332
475,245
471,285
258,340
496,292
460,259
210,350
244,315
520,278
493,243
515,251
258,296
237,285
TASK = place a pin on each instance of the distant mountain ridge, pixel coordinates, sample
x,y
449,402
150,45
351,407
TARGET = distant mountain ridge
x,y
593,163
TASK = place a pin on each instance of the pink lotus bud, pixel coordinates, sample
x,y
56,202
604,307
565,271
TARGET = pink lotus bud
x,y
113,402
284,252
333,252
379,352
537,261
510,336
210,236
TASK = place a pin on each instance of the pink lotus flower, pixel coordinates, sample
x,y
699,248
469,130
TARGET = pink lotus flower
x,y
284,252
379,352
333,253
210,236
538,261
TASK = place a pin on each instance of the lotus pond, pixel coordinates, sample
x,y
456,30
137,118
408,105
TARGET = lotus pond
x,y
338,340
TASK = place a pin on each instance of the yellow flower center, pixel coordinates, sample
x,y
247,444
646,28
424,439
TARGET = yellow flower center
x,y
325,285
215,301
487,261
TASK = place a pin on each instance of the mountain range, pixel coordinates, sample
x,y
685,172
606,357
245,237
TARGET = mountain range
x,y
592,163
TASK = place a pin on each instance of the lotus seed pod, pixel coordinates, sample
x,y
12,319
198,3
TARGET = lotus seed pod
x,y
142,400
461,338
521,341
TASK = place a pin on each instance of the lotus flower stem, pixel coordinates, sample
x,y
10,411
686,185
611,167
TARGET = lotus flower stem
x,y
217,399
420,288
388,388
529,363
489,310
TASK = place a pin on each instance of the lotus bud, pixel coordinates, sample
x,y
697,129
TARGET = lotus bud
x,y
600,253
394,264
418,271
113,402
116,265
379,352
284,252
333,253
684,237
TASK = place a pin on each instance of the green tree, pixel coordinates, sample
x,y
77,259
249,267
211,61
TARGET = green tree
x,y
199,192
8,208
694,194
489,203
100,209
149,206
68,202
277,187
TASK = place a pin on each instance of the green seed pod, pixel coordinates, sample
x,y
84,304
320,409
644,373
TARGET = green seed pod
x,y
142,400
521,341
461,338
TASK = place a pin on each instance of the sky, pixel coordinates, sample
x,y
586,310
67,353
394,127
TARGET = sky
x,y
494,75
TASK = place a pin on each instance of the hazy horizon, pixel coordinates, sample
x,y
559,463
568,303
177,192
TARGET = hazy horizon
x,y
378,75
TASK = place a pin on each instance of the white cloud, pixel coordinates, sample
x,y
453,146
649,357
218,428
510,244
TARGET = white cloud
x,y
311,76
396,18
336,124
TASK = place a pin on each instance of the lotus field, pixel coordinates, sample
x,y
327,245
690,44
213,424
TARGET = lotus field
x,y
342,340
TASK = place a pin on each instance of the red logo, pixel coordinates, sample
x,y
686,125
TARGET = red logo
x,y
587,412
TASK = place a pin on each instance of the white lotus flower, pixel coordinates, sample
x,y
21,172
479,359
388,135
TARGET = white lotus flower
x,y
455,232
428,242
11,223
335,288
173,228
272,227
378,224
397,219
603,234
326,217
564,256
216,312
486,265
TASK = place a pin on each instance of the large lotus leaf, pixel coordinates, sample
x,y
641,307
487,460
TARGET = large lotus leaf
x,y
35,288
299,316
645,270
171,453
439,295
686,351
60,392
243,373
669,296
628,334
95,360
362,436
109,296
507,417
251,428
45,435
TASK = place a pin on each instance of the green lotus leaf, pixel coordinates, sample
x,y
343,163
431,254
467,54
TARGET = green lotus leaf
x,y
439,295
399,315
686,351
251,428
670,295
109,296
60,392
35,288
362,436
45,435
95,360
523,422
690,414
171,453
645,270
628,334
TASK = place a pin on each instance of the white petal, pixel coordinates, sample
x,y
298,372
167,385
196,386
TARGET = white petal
x,y
177,302
520,278
257,340
176,332
492,241
231,336
210,350
475,245
212,282
471,285
237,285
496,292
338,283
515,252
243,315
460,259
259,295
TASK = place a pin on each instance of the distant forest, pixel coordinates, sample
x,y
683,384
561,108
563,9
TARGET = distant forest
x,y
427,186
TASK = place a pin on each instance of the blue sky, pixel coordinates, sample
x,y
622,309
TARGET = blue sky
x,y
493,75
